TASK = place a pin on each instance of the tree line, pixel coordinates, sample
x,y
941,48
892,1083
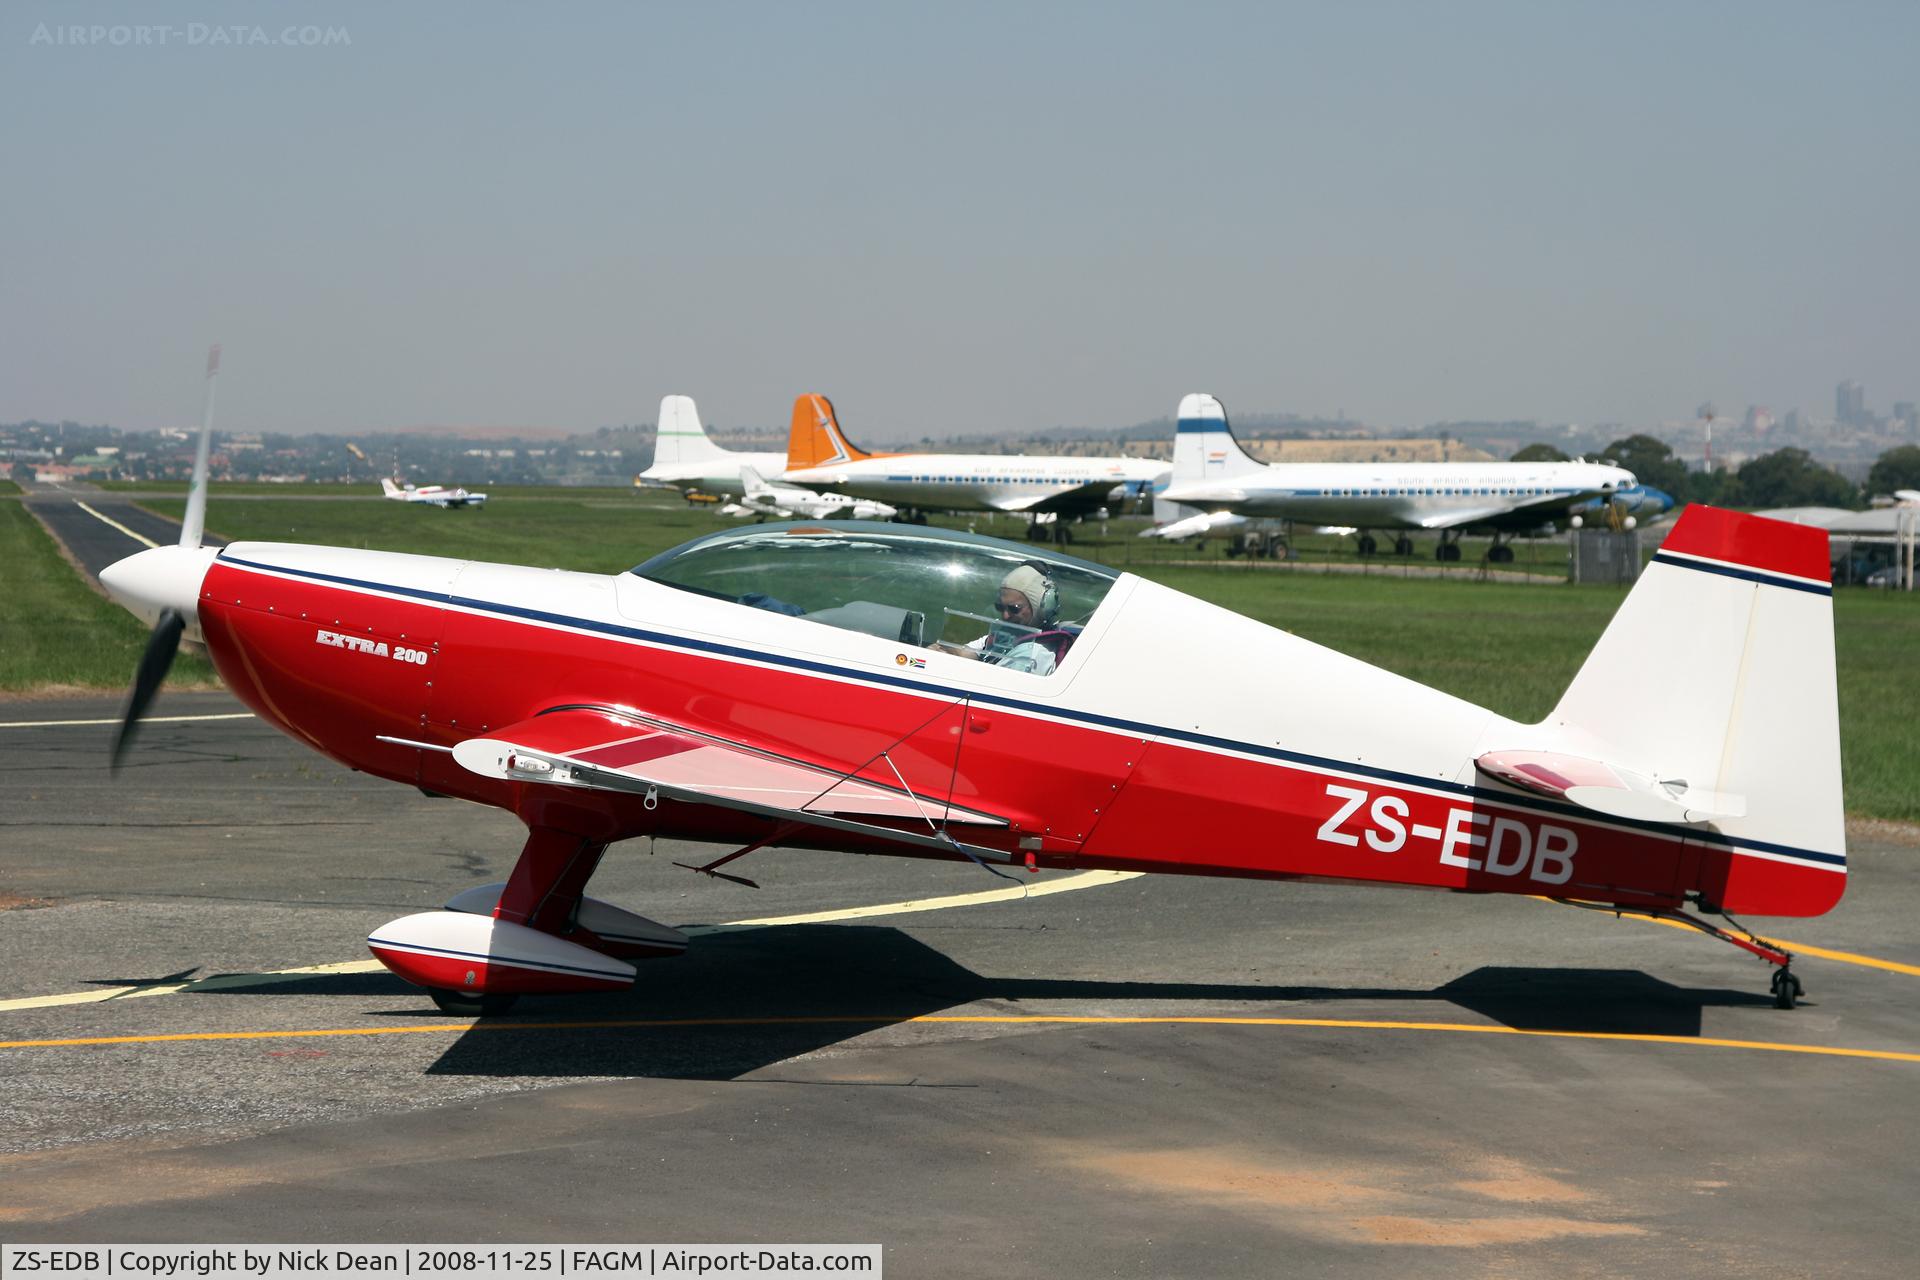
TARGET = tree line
x,y
1783,478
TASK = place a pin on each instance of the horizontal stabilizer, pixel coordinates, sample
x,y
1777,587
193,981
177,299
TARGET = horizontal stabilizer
x,y
1609,789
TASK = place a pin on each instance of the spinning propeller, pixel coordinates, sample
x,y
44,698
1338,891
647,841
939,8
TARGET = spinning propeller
x,y
154,583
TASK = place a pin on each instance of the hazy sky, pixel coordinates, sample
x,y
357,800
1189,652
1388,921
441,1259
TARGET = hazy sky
x,y
964,216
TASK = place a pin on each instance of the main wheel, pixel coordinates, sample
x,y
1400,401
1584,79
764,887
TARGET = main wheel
x,y
467,1004
1366,546
1501,554
1403,545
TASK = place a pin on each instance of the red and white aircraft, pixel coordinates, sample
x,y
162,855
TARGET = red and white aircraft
x,y
433,495
779,686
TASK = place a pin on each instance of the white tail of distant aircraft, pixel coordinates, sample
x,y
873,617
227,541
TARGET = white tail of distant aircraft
x,y
686,457
432,495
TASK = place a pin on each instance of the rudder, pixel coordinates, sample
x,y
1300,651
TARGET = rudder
x,y
1203,444
679,437
814,438
1718,672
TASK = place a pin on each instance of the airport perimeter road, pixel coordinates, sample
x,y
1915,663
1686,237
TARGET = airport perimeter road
x,y
1142,1076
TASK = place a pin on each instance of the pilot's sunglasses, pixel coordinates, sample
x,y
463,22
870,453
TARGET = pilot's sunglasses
x,y
1006,610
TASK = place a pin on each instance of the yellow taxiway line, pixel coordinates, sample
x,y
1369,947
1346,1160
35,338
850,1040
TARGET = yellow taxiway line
x,y
229,981
454,1026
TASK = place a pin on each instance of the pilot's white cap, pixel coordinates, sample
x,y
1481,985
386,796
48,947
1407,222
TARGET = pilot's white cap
x,y
1029,582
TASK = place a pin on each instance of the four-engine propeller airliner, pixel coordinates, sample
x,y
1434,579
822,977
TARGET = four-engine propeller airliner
x,y
819,456
846,686
1213,473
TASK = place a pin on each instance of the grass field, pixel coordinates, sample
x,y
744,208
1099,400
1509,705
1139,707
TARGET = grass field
x,y
1509,646
8,487
54,629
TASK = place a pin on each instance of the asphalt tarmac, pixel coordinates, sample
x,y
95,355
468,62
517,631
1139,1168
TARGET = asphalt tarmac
x,y
1151,1076
98,527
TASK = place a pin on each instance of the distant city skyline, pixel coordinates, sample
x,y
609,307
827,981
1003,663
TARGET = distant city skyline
x,y
958,219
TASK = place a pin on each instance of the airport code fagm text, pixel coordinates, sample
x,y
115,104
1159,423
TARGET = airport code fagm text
x,y
432,1262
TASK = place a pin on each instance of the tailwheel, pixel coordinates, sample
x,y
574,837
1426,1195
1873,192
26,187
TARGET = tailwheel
x,y
1786,989
468,1004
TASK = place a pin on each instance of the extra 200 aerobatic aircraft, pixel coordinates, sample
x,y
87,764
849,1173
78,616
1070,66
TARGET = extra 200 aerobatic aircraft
x,y
892,689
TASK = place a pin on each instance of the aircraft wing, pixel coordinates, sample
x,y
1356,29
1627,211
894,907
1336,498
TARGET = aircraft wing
x,y
1451,519
1546,508
642,755
1609,789
1075,501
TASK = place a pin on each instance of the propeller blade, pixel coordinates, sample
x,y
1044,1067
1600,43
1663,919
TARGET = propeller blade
x,y
195,521
161,646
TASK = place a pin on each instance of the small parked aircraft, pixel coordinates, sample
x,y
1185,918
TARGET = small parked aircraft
x,y
432,495
789,503
1213,473
860,687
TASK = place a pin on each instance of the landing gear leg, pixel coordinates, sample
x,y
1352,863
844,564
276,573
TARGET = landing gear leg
x,y
1499,552
1786,987
544,891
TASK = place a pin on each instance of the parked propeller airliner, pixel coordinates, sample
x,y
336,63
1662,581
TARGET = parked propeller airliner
x,y
882,688
819,456
1213,473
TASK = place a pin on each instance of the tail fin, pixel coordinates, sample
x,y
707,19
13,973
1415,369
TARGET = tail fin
x,y
389,488
1203,444
679,437
752,482
815,440
1717,676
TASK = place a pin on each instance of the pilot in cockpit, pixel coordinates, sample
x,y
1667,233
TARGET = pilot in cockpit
x,y
1028,609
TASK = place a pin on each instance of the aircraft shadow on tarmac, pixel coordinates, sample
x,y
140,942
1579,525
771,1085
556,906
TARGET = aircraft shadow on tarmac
x,y
815,974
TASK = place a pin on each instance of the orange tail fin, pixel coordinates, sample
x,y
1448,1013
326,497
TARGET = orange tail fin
x,y
815,438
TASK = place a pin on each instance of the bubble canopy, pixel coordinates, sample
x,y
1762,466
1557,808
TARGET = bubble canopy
x,y
900,582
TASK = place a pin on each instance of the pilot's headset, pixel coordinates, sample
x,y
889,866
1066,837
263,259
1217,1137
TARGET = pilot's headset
x,y
1048,614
